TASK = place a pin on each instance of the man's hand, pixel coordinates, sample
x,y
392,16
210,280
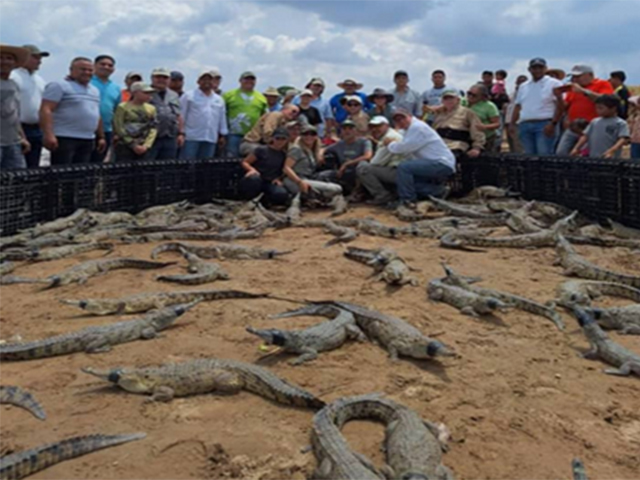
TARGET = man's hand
x,y
50,142
388,141
140,149
342,169
304,187
222,142
252,173
25,145
513,131
578,89
574,153
277,181
549,130
101,145
608,154
180,140
473,153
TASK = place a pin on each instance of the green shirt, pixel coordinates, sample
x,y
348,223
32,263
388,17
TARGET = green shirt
x,y
135,124
486,110
244,110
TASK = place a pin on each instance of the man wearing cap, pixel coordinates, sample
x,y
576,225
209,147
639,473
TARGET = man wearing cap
x,y
316,85
354,107
245,106
31,87
350,87
378,176
176,82
13,144
580,97
381,101
403,96
273,99
110,98
308,113
430,162
458,126
538,110
205,120
70,116
170,135
262,131
129,79
135,123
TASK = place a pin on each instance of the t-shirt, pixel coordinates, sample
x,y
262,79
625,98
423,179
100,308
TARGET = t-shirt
x,y
31,87
269,162
485,111
536,99
305,162
77,113
110,98
603,133
312,114
339,113
167,105
244,109
433,96
9,113
349,151
581,106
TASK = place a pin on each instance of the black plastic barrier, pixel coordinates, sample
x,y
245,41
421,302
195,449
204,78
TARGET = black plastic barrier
x,y
599,188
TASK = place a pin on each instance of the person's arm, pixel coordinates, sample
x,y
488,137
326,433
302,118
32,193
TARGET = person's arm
x,y
184,109
550,128
180,137
50,98
153,131
409,144
365,157
478,138
581,143
224,128
293,176
494,124
118,126
247,165
24,143
622,141
101,142
270,124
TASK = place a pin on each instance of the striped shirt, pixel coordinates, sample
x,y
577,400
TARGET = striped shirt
x,y
78,111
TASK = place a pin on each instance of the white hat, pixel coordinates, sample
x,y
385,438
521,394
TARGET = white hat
x,y
306,91
379,120
349,98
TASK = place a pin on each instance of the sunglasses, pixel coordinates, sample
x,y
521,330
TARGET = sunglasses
x,y
353,104
310,134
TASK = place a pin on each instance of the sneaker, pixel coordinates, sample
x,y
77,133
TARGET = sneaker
x,y
406,209
382,200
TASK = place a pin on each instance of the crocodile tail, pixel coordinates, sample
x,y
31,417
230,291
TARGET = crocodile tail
x,y
23,464
21,398
168,247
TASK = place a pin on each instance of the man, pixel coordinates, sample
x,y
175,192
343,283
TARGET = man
x,y
31,87
378,176
429,162
478,98
273,99
580,97
350,87
349,151
245,106
176,82
262,131
405,97
317,85
487,79
538,110
110,98
458,126
170,135
70,116
13,144
130,79
205,120
617,79
433,96
135,124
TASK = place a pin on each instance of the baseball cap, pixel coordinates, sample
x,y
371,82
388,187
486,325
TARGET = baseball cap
x,y
141,87
133,74
379,120
349,98
247,74
161,72
315,81
401,112
451,93
205,73
400,72
215,73
306,91
280,133
33,50
348,123
537,62
578,70
175,75
307,127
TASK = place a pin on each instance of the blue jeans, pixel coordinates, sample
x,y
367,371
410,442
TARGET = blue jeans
x,y
34,135
251,187
635,150
165,148
533,139
195,150
233,145
567,141
11,157
421,178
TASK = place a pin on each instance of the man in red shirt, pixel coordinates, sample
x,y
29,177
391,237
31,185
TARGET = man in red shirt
x,y
580,97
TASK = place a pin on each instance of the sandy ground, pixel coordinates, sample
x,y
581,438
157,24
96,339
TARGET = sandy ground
x,y
520,403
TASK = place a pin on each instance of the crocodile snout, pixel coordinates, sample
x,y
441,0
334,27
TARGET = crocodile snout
x,y
114,376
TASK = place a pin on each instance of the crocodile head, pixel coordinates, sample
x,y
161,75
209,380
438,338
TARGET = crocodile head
x,y
271,336
438,349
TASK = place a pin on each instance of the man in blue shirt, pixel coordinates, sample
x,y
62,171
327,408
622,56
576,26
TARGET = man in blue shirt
x,y
350,87
110,98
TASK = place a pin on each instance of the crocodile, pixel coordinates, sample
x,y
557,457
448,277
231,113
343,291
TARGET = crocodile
x,y
309,342
513,301
459,210
143,302
23,464
625,319
223,236
393,269
603,242
15,279
57,253
111,218
581,292
341,234
577,265
602,347
59,224
623,231
206,375
374,228
339,205
468,302
7,267
413,446
394,334
221,251
200,272
97,339
520,222
486,192
82,272
579,472
21,398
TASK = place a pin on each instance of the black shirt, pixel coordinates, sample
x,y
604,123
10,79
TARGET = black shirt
x,y
269,162
623,94
312,114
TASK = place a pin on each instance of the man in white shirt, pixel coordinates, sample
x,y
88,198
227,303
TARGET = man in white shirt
x,y
205,119
378,176
31,89
538,110
430,162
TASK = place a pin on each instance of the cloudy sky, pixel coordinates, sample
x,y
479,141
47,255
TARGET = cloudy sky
x,y
288,42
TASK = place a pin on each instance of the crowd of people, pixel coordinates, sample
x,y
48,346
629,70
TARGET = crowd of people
x,y
391,144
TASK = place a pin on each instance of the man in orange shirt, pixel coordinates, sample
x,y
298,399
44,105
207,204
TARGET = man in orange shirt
x,y
580,97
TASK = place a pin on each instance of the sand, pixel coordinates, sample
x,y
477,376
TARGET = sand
x,y
519,401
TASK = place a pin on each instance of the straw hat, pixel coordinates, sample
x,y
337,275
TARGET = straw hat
x,y
21,54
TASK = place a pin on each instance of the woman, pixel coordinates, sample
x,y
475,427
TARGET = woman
x,y
458,126
381,101
264,171
303,159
